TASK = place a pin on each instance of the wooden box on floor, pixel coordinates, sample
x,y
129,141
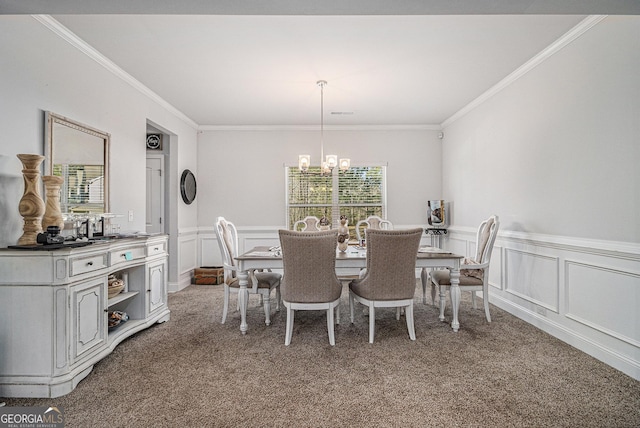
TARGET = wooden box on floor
x,y
209,275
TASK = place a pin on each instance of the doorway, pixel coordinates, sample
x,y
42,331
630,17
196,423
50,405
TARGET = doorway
x,y
155,221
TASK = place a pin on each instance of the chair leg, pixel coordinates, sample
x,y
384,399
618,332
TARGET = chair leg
x,y
372,322
330,327
485,302
289,328
433,294
267,309
410,325
443,301
225,308
424,278
278,299
351,309
473,300
398,313
338,314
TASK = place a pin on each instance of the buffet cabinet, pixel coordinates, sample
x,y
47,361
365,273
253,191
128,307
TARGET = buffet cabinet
x,y
55,309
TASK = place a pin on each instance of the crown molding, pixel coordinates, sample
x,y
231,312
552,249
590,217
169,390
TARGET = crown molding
x,y
584,26
204,128
69,37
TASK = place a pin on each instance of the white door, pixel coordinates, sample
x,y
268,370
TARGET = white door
x,y
155,194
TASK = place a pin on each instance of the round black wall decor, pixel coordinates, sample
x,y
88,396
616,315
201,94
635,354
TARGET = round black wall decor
x,y
188,186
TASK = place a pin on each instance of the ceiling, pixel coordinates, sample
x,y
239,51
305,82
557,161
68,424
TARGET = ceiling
x,y
256,63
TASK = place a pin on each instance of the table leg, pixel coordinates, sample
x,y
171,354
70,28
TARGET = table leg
x,y
243,297
455,295
443,302
424,277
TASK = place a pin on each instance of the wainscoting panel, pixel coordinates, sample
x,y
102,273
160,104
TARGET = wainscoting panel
x,y
604,299
496,279
584,292
209,251
187,250
533,277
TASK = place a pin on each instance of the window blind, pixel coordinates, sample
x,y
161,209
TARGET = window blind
x,y
357,193
83,189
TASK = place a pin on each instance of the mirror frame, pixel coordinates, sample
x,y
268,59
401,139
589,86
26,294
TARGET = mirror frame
x,y
49,140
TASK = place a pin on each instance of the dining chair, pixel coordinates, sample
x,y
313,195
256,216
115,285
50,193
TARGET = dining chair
x,y
310,281
309,223
260,283
371,222
474,272
390,278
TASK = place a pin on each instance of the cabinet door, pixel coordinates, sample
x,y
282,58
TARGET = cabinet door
x,y
156,286
88,319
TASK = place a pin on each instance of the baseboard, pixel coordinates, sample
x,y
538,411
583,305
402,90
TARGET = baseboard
x,y
573,338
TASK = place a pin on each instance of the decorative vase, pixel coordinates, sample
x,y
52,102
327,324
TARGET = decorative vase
x,y
324,224
31,206
343,234
52,214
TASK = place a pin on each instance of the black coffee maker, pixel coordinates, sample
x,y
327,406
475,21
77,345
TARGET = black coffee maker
x,y
52,236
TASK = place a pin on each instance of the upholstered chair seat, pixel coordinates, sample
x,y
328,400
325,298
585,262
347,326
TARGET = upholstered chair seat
x,y
442,277
265,280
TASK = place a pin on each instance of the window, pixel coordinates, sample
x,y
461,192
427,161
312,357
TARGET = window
x,y
357,193
83,188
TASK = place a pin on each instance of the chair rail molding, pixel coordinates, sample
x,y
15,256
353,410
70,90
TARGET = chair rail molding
x,y
582,291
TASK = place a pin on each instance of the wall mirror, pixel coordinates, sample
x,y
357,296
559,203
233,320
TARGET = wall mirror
x,y
79,154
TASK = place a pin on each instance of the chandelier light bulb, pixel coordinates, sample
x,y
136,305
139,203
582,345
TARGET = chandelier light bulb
x,y
332,161
345,163
304,161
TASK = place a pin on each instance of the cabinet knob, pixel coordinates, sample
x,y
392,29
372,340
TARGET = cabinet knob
x,y
156,249
89,263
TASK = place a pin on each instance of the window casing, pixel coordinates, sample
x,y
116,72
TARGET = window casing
x,y
357,193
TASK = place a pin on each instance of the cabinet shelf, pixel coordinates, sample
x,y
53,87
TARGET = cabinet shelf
x,y
122,297
67,290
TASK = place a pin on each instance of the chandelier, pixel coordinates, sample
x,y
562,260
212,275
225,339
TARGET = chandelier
x,y
331,161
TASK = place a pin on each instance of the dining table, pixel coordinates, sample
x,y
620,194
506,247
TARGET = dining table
x,y
353,259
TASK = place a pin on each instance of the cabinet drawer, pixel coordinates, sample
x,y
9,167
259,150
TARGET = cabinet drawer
x,y
157,248
126,255
82,265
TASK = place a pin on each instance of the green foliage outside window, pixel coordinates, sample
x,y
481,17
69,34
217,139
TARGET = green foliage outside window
x,y
359,193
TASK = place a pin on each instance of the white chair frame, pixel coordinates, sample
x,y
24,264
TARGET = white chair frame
x,y
483,264
406,304
230,272
373,222
328,306
309,223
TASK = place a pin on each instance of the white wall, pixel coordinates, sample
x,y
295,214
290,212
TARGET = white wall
x,y
242,173
242,176
557,151
41,71
555,154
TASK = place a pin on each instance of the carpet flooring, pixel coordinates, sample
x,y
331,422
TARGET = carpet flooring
x,y
194,371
